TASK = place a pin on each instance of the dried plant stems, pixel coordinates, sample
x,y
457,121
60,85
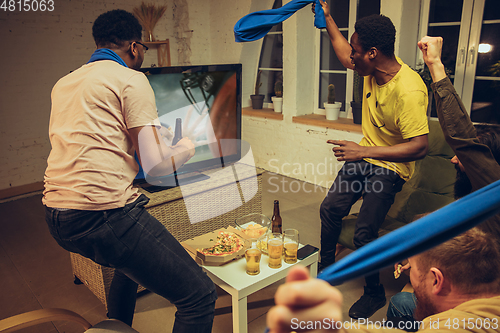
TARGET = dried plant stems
x,y
148,15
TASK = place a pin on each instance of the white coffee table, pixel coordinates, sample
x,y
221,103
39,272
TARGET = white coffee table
x,y
233,278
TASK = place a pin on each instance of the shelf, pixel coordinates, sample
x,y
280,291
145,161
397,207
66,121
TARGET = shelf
x,y
342,124
262,113
163,51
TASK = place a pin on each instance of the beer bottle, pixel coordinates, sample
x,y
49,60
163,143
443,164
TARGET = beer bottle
x,y
276,219
178,131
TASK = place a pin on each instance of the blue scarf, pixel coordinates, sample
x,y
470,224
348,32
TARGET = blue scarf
x,y
106,54
256,25
418,236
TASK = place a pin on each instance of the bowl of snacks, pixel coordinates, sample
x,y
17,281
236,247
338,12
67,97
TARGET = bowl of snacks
x,y
255,226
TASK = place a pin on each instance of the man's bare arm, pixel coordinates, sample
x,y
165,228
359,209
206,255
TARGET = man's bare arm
x,y
158,159
416,148
340,45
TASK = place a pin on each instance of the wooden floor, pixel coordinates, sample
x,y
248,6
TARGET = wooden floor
x,y
36,273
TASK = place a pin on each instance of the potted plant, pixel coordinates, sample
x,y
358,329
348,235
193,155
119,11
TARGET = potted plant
x,y
356,104
332,107
425,74
278,99
257,99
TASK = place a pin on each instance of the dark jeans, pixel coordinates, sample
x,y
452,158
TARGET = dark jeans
x,y
142,251
377,185
402,304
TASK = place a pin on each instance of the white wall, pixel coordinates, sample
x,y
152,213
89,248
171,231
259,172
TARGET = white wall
x,y
405,16
39,48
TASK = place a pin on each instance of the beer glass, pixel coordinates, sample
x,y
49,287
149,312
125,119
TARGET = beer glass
x,y
290,244
275,249
252,256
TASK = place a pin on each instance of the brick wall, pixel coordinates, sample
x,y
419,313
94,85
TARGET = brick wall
x,y
294,150
41,47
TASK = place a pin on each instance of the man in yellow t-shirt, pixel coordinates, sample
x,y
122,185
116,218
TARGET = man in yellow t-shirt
x,y
395,128
457,284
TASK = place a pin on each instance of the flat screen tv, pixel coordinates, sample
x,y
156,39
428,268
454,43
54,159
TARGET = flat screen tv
x,y
207,99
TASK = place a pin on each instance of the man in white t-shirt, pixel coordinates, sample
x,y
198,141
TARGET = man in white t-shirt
x,y
102,113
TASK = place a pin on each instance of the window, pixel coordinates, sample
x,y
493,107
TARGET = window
x,y
271,59
331,71
471,51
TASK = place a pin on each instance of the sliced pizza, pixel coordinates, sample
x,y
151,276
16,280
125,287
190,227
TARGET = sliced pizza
x,y
227,243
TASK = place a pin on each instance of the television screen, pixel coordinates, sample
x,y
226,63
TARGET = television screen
x,y
207,101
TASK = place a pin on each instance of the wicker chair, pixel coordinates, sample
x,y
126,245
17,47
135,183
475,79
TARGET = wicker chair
x,y
28,319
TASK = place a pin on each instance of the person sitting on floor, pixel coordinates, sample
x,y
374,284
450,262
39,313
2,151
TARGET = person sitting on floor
x,y
449,300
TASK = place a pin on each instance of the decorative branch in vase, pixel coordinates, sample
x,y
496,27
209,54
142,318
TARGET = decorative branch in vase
x,y
148,15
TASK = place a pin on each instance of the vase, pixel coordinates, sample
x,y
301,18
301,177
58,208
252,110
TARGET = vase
x,y
332,110
277,103
149,35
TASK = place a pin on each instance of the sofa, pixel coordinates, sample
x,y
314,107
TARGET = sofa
x,y
430,188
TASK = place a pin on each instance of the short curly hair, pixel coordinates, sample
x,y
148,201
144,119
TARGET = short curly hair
x,y
376,31
116,27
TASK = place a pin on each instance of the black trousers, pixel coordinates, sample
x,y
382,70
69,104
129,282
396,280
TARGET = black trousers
x,y
377,185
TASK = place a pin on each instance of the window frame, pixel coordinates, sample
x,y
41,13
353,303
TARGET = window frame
x,y
265,69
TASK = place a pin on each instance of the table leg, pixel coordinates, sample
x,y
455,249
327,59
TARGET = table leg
x,y
313,269
240,321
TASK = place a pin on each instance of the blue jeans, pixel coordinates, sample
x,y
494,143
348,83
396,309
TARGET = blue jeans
x,y
401,309
143,252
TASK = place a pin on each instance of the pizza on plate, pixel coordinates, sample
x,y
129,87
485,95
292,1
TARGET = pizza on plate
x,y
227,243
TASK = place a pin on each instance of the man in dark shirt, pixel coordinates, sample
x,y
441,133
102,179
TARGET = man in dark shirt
x,y
477,148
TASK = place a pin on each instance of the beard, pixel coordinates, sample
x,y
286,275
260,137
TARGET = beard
x,y
462,184
425,307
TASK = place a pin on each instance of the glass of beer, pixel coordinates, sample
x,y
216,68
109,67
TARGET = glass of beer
x,y
290,244
252,256
275,249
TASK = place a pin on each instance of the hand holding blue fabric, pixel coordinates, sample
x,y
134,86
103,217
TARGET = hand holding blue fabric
x,y
256,25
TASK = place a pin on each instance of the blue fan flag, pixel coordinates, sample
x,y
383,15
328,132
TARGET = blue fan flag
x,y
256,25
418,236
